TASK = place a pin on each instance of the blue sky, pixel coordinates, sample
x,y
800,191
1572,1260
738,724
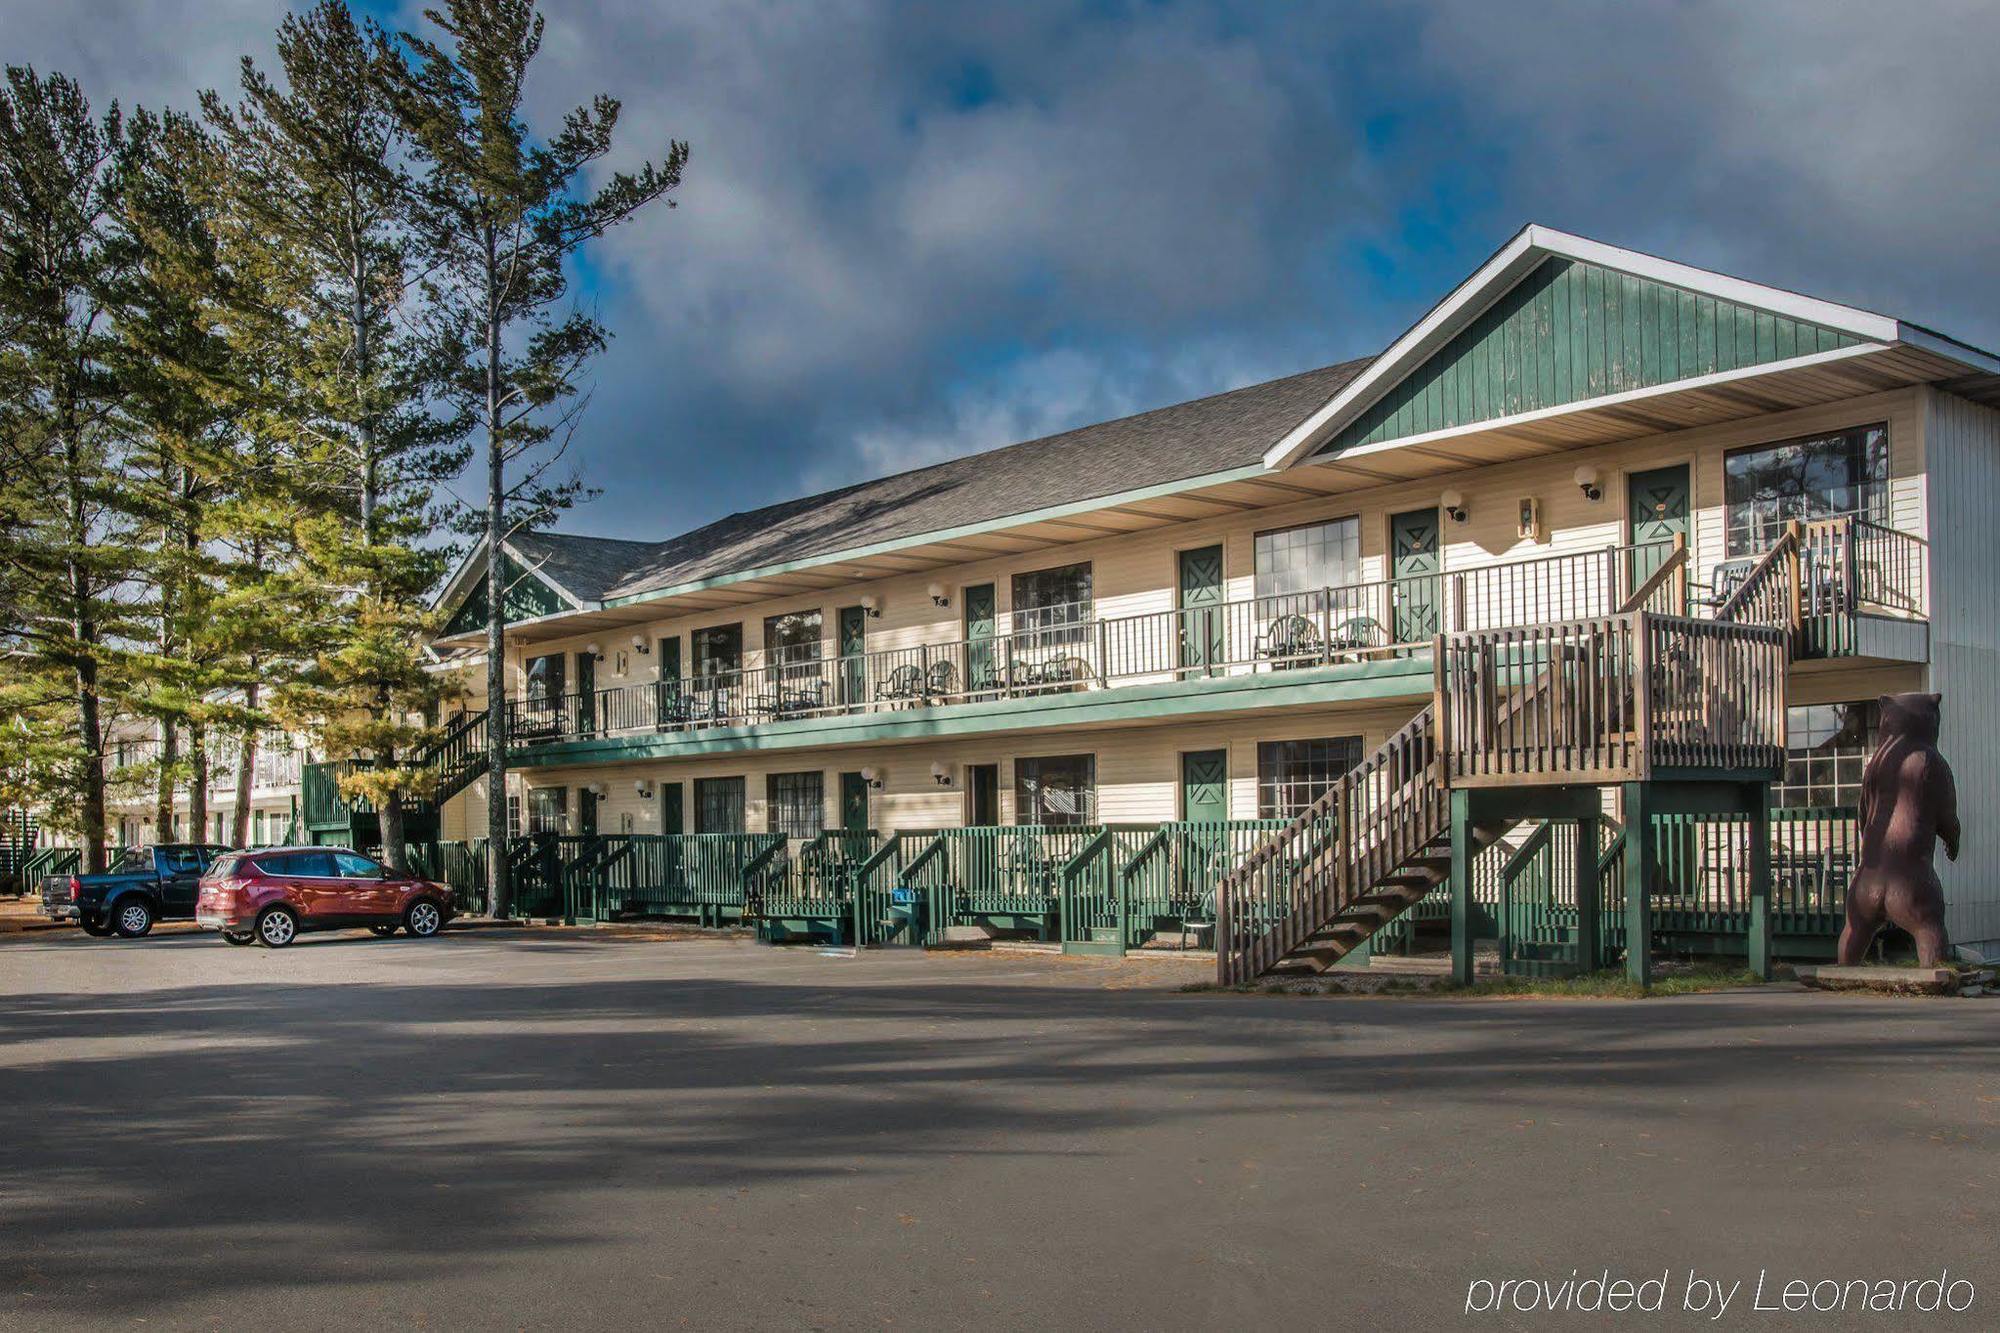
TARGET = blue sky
x,y
911,231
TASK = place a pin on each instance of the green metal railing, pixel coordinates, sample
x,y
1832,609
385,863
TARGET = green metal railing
x,y
49,861
1096,909
1171,877
810,890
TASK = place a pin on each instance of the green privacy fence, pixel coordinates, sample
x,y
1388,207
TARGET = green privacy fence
x,y
806,891
1700,899
49,861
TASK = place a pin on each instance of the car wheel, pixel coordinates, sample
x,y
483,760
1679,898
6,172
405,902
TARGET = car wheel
x,y
381,932
132,918
424,919
278,927
95,929
238,936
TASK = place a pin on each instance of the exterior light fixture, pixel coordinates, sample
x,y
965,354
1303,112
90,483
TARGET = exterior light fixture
x,y
599,790
595,649
873,777
1453,502
941,775
1587,481
939,597
871,604
642,789
639,644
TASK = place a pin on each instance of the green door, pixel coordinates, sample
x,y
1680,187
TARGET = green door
x,y
1657,505
853,656
672,818
667,693
1413,567
1205,786
980,676
586,812
853,803
1200,604
586,693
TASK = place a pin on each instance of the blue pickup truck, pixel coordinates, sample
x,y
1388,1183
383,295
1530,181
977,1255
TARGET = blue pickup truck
x,y
144,885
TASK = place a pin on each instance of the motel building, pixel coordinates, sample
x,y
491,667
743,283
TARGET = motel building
x,y
1559,623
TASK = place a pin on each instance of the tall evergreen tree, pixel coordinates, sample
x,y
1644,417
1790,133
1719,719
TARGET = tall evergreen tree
x,y
319,247
65,548
500,211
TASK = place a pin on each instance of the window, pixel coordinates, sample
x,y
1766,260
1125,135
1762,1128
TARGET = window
x,y
1309,557
1059,791
352,865
544,685
257,827
797,804
1826,747
548,809
1052,598
718,652
305,865
1821,476
513,816
718,805
1291,775
792,638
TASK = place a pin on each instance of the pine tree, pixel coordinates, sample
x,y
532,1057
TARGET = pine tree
x,y
319,243
66,557
499,213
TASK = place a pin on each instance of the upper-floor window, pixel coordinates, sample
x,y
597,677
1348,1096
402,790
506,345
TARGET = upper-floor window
x,y
1050,599
718,805
1059,791
1291,775
717,652
545,679
1826,747
1819,476
1308,557
796,804
792,638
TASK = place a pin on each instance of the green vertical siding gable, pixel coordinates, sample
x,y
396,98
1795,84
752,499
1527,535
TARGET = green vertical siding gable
x,y
1572,331
527,597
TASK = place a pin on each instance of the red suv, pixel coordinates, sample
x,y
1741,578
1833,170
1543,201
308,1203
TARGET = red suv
x,y
270,896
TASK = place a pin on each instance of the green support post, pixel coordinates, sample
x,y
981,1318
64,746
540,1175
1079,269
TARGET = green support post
x,y
1640,858
1461,886
1588,951
1759,943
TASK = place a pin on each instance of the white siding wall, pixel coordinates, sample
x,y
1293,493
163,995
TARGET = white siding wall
x,y
1962,443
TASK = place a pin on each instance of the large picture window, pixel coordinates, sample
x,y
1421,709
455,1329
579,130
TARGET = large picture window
x,y
718,805
1820,476
793,640
1826,747
1052,598
544,683
718,655
796,803
1308,557
1059,791
1291,775
548,809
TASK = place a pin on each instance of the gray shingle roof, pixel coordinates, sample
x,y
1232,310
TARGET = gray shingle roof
x,y
1192,439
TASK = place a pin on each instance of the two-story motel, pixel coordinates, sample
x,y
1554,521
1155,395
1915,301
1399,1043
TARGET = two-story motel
x,y
1207,614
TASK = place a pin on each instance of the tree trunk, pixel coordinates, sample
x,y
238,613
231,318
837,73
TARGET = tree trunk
x,y
197,782
91,730
498,890
246,767
163,784
395,849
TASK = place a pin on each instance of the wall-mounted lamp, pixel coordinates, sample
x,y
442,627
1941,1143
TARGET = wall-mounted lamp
x,y
642,789
1453,502
1587,481
640,646
941,775
871,604
873,777
598,789
939,597
595,650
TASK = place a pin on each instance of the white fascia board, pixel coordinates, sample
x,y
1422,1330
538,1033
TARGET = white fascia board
x,y
1499,274
539,572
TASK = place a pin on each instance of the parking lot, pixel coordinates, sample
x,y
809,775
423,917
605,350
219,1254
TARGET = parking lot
x,y
574,1129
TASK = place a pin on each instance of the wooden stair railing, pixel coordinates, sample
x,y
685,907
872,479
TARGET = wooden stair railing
x,y
457,757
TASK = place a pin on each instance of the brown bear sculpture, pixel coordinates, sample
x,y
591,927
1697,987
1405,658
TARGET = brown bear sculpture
x,y
1908,802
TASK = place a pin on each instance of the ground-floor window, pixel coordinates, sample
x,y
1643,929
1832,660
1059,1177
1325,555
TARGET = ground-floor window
x,y
1291,775
513,816
1059,791
718,805
548,809
1826,747
797,804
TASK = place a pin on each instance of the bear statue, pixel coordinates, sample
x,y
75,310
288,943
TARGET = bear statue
x,y
1908,801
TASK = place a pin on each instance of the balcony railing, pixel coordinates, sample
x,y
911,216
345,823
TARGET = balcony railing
x,y
1866,567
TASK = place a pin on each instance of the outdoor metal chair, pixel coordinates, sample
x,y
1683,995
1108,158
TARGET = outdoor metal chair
x,y
941,679
1288,640
905,682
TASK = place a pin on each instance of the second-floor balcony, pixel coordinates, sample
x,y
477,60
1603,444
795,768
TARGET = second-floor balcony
x,y
1842,568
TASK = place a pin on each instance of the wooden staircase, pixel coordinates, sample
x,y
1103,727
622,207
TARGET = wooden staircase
x,y
458,757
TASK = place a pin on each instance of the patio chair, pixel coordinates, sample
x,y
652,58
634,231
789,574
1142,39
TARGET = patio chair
x,y
1287,640
941,679
905,682
1355,633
